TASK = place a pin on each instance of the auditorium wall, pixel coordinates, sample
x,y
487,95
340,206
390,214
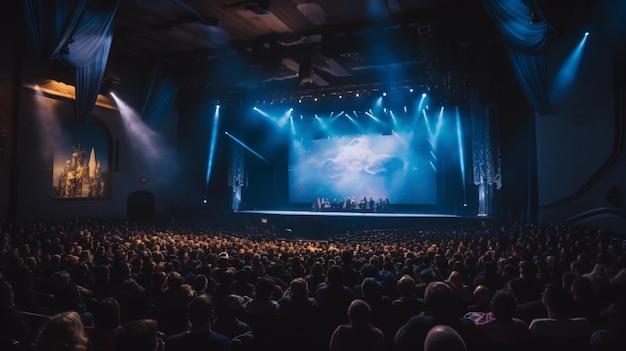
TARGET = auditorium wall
x,y
580,154
45,107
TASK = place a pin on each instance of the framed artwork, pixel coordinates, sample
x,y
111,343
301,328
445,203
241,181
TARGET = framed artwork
x,y
82,155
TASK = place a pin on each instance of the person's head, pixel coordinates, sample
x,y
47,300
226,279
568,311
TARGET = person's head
x,y
503,305
359,313
299,287
264,288
200,283
456,279
582,290
200,311
106,314
557,300
443,338
482,295
406,286
527,269
138,335
567,279
62,332
174,280
335,274
440,299
369,288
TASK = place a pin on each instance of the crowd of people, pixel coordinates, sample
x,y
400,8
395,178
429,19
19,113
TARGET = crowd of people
x,y
351,204
117,286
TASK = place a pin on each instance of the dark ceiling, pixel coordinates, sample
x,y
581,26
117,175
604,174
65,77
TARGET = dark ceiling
x,y
287,45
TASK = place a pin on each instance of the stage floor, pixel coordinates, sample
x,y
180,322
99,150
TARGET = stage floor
x,y
300,224
350,214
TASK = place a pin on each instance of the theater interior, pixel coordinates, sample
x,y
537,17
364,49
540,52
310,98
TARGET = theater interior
x,y
180,109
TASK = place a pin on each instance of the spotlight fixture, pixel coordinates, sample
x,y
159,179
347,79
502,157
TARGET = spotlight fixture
x,y
305,72
384,94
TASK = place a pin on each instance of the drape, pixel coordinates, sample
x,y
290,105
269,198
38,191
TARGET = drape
x,y
486,161
146,89
236,173
80,33
527,34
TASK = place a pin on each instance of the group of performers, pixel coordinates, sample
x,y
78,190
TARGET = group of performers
x,y
351,204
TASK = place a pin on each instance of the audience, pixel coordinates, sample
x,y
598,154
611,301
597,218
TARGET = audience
x,y
143,273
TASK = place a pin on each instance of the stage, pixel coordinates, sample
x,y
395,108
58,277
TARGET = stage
x,y
325,224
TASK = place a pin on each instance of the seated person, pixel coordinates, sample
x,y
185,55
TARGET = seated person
x,y
443,338
358,334
442,305
499,325
200,336
559,305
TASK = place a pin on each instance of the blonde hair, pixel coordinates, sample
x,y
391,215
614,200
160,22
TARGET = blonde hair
x,y
63,332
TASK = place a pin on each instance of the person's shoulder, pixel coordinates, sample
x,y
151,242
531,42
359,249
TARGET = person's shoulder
x,y
219,337
178,336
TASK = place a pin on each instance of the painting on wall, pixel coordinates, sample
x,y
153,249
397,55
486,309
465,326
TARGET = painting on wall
x,y
82,162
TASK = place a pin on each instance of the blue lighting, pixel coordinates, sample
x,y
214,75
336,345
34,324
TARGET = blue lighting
x,y
384,94
567,73
423,95
459,135
216,116
293,127
586,33
246,147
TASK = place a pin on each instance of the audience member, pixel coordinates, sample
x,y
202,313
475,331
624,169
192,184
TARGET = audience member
x,y
441,302
443,338
200,336
62,332
358,334
499,325
559,324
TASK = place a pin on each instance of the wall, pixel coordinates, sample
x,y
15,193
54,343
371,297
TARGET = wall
x,y
579,151
43,104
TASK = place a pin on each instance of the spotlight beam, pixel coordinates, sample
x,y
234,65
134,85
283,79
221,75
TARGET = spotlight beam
x,y
246,147
214,129
461,153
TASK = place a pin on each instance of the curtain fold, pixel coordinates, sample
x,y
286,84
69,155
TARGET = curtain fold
x,y
236,173
79,32
486,160
527,34
148,91
530,71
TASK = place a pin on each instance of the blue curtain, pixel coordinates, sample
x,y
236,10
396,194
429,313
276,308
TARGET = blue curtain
x,y
486,161
527,34
236,173
80,33
148,91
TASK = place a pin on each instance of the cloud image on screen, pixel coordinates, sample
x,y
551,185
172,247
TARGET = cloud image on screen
x,y
397,167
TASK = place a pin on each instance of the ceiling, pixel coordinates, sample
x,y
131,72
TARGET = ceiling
x,y
287,45
225,48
